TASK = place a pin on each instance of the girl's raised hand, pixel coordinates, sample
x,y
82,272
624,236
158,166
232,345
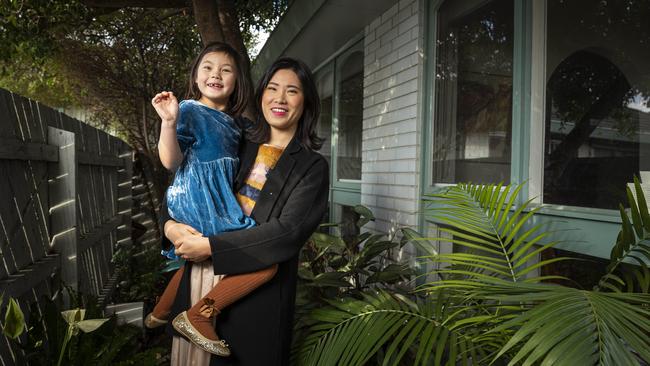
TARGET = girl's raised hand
x,y
166,106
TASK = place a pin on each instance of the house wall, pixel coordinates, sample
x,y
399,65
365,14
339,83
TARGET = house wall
x,y
393,74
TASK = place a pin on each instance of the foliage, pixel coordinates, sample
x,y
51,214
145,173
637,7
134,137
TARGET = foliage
x,y
35,27
109,61
566,326
393,327
121,60
68,338
335,266
76,322
488,307
633,244
14,324
256,16
137,267
39,79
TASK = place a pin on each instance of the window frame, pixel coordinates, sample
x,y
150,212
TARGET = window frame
x,y
346,192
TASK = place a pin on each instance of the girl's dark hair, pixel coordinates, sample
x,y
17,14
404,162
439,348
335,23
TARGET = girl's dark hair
x,y
305,133
242,92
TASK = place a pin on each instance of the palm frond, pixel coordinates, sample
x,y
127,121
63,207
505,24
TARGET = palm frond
x,y
567,326
351,331
487,308
485,220
632,244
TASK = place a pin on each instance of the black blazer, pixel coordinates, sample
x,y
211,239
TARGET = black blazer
x,y
292,203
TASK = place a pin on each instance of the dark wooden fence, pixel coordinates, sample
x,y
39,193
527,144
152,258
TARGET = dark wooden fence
x,y
65,204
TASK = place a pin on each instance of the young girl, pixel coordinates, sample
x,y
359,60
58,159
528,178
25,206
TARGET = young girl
x,y
199,139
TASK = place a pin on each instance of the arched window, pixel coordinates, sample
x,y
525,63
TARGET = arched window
x,y
592,137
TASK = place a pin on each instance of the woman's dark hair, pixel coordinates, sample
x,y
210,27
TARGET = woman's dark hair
x,y
242,92
306,131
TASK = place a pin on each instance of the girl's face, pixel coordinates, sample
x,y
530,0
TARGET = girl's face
x,y
283,101
216,77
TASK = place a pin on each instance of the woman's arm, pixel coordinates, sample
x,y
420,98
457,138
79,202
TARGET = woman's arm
x,y
169,150
281,238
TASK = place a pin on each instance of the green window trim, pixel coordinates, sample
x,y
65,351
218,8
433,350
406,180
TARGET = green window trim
x,y
342,191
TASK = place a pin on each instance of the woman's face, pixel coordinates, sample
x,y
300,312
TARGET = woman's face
x,y
283,101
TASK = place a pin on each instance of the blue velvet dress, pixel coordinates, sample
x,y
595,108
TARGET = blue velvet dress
x,y
201,195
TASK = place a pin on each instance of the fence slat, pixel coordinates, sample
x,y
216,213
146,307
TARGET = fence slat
x,y
88,158
28,277
18,200
14,149
92,239
63,213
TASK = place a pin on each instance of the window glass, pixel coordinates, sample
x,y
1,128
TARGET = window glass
x,y
349,68
472,129
597,115
325,84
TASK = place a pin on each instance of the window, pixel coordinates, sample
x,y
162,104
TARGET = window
x,y
349,69
597,117
340,86
472,127
554,93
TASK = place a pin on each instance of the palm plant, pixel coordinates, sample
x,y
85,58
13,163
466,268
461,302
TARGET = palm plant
x,y
486,305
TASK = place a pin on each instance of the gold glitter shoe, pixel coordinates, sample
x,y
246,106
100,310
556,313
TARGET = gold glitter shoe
x,y
152,322
183,326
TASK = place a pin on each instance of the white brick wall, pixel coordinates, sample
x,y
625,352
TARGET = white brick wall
x,y
391,133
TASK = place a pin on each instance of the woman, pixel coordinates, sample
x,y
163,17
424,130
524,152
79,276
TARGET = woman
x,y
288,208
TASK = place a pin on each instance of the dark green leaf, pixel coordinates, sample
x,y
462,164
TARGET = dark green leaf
x,y
14,324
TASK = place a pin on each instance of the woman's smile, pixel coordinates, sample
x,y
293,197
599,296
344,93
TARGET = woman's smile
x,y
279,112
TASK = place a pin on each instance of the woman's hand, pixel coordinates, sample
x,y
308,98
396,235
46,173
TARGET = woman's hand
x,y
193,248
189,244
166,106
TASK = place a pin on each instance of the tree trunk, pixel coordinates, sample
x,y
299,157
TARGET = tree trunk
x,y
232,36
206,16
230,26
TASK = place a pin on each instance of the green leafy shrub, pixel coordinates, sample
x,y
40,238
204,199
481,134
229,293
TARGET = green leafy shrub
x,y
334,266
55,337
484,305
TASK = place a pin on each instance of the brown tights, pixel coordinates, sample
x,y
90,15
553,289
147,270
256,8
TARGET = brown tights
x,y
228,290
